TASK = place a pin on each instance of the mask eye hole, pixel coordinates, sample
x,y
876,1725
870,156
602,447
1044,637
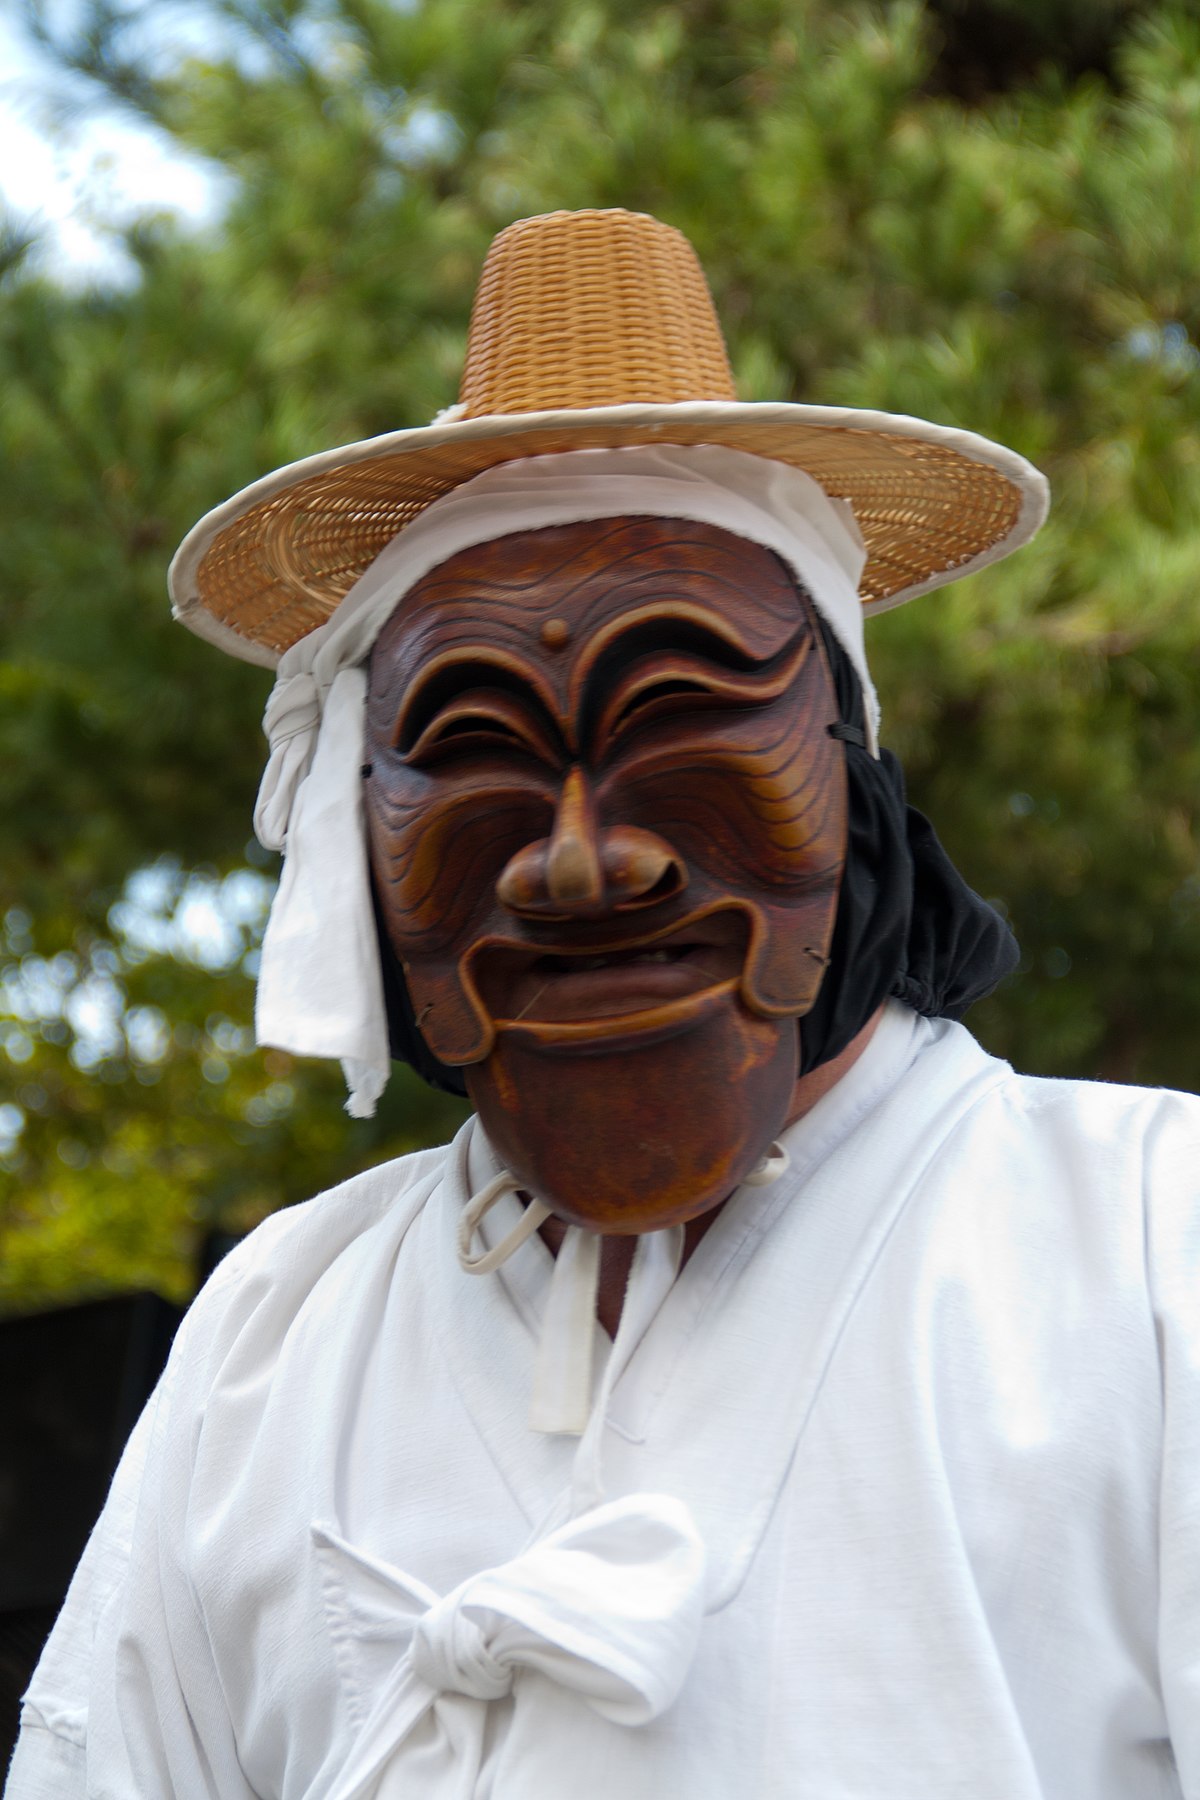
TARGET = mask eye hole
x,y
660,698
458,699
481,724
470,725
680,684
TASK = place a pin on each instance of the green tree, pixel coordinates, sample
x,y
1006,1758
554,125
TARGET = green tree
x,y
892,214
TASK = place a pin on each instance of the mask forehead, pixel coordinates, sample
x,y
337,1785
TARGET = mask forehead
x,y
542,602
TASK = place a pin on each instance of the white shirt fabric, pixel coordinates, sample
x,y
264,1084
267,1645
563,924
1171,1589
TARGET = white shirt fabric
x,y
900,1488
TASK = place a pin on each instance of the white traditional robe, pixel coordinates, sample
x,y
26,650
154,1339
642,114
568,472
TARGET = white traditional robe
x,y
899,1487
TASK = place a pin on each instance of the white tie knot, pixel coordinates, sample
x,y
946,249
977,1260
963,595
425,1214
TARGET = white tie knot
x,y
294,705
608,1608
450,1651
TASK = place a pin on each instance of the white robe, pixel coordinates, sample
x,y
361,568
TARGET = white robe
x,y
928,1407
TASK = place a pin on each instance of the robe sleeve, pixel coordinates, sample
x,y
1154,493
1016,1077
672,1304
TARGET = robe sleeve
x,y
125,1698
1173,1257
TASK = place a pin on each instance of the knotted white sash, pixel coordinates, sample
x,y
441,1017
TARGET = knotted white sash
x,y
608,1607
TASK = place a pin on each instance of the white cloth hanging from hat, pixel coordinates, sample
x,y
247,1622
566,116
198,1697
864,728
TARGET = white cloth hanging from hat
x,y
319,986
931,1403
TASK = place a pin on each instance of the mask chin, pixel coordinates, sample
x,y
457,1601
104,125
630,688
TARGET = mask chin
x,y
636,1131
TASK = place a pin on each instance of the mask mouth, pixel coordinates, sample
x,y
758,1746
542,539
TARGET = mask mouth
x,y
613,976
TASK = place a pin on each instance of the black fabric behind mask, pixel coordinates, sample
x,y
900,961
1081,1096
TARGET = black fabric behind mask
x,y
908,927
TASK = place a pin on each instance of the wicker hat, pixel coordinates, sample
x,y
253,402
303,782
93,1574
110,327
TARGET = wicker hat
x,y
592,330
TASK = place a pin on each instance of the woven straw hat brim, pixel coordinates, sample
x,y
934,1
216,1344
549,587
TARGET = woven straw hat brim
x,y
270,565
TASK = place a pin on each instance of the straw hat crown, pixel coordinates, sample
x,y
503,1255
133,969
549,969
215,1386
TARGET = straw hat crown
x,y
592,309
592,330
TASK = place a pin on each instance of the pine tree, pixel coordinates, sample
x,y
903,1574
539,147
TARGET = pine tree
x,y
892,215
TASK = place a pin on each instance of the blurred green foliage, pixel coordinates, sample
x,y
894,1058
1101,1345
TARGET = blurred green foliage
x,y
980,211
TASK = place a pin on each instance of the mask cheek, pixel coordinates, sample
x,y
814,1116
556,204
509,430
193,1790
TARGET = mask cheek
x,y
449,1013
430,926
801,858
788,955
789,948
434,867
437,855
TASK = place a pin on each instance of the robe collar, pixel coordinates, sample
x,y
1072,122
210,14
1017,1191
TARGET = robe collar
x,y
713,1400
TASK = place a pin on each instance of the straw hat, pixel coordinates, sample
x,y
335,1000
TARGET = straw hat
x,y
592,330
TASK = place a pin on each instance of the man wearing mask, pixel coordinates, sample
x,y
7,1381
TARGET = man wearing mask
x,y
768,1392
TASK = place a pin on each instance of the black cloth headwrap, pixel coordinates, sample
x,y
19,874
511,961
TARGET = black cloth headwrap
x,y
907,925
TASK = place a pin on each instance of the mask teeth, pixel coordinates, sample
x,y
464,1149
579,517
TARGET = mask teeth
x,y
567,965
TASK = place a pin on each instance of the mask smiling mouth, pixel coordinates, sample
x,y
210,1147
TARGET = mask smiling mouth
x,y
533,984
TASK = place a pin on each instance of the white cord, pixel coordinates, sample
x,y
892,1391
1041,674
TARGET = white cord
x,y
478,1207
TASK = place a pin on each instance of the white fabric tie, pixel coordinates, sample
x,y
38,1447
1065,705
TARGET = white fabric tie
x,y
562,1371
325,904
656,1265
561,1400
562,1377
291,722
608,1606
320,954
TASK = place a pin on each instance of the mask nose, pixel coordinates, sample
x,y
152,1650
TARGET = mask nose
x,y
583,870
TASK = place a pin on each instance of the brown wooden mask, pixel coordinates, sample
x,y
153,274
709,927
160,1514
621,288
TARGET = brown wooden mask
x,y
607,825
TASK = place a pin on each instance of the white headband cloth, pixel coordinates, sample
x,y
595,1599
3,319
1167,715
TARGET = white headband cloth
x,y
320,989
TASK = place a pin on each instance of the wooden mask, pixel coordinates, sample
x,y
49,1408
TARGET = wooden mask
x,y
607,826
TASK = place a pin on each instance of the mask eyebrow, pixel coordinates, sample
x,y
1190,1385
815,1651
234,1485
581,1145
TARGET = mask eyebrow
x,y
454,673
677,626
